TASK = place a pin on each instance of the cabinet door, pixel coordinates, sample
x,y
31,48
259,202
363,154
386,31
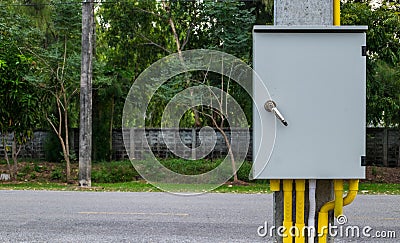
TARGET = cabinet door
x,y
317,80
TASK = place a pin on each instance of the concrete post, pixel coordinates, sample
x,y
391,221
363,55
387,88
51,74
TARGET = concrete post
x,y
304,12
85,125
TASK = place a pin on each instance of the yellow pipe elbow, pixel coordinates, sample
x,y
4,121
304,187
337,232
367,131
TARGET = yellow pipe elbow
x,y
351,195
300,192
274,185
336,12
337,204
323,213
338,188
287,210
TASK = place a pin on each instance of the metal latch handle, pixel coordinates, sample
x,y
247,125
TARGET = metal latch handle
x,y
270,106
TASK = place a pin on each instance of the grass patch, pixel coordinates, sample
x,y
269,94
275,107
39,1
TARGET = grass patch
x,y
379,188
51,186
142,186
114,172
121,176
132,186
190,167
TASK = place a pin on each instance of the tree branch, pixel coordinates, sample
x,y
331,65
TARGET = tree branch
x,y
155,44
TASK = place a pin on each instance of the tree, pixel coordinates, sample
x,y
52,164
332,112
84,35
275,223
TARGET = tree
x,y
383,58
226,37
19,100
166,27
58,73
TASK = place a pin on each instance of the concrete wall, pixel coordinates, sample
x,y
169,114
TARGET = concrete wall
x,y
382,145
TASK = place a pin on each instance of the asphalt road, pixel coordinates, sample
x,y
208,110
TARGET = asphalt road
x,y
50,216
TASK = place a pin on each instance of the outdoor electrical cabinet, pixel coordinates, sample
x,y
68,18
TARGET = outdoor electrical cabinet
x,y
317,78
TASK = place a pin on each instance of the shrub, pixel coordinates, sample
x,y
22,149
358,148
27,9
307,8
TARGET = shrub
x,y
112,172
57,174
52,148
244,171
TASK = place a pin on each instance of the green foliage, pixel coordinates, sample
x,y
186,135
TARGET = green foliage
x,y
102,125
190,167
19,100
230,29
244,171
388,93
374,171
39,168
111,172
33,176
25,170
131,45
196,167
122,171
383,60
128,46
52,148
57,174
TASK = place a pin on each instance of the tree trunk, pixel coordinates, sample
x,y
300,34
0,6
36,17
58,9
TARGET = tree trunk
x,y
14,155
6,156
66,139
111,128
197,122
65,155
230,153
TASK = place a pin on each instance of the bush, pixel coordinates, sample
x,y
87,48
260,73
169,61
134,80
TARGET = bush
x,y
196,167
57,174
52,148
112,172
244,171
190,167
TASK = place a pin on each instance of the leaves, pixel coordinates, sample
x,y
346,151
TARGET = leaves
x,y
383,60
18,103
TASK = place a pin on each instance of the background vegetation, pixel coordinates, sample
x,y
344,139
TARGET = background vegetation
x,y
40,62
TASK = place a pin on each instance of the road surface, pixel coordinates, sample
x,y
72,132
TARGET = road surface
x,y
54,216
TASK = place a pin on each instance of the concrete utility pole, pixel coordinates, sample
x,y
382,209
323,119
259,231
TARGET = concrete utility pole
x,y
304,12
85,126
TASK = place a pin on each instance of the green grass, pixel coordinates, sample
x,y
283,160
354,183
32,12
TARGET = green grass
x,y
376,188
121,176
35,186
190,167
142,186
114,172
132,186
379,188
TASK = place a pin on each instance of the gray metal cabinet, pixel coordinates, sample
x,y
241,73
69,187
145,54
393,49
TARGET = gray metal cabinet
x,y
316,77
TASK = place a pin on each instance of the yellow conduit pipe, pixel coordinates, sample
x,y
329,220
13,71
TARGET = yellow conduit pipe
x,y
338,203
287,210
323,213
300,189
338,187
336,12
274,185
351,195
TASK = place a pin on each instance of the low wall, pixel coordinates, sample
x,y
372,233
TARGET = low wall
x,y
382,144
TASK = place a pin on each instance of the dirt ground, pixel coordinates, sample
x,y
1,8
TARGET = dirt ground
x,y
382,174
41,171
45,171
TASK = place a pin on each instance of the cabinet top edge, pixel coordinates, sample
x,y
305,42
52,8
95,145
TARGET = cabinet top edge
x,y
309,29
